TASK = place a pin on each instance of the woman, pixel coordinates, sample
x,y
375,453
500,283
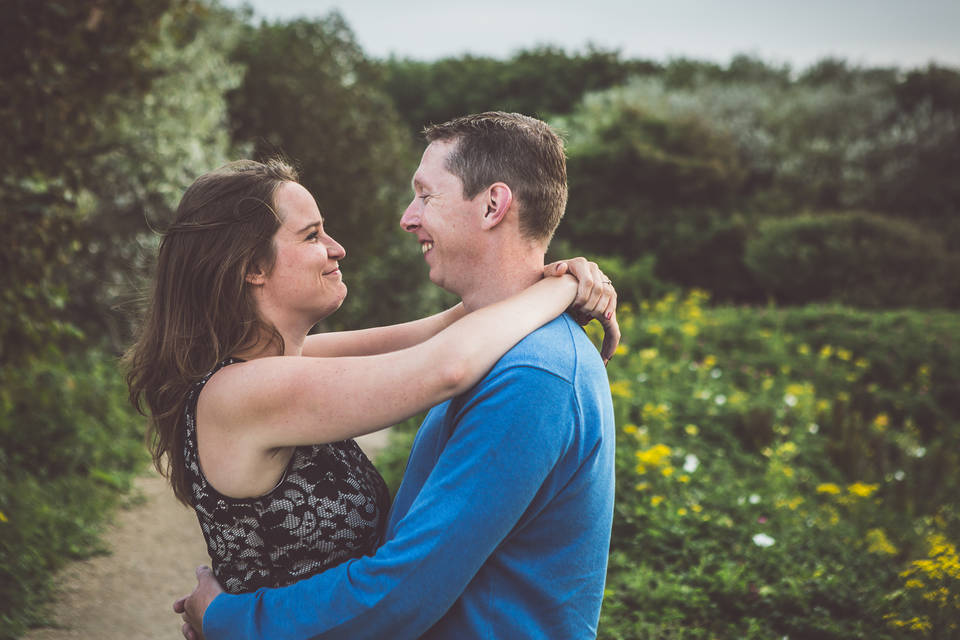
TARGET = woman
x,y
256,436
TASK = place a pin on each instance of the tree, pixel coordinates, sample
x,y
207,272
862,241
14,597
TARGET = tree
x,y
106,124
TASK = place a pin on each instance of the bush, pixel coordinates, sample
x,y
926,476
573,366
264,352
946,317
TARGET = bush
x,y
69,445
856,259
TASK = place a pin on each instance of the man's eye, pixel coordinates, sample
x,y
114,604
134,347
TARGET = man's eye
x,y
425,196
313,235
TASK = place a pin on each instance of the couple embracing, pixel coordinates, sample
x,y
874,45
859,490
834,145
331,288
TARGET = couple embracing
x,y
501,526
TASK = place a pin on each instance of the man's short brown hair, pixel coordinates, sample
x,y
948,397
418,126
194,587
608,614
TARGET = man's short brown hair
x,y
520,151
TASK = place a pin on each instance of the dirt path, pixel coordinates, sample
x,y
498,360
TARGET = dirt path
x,y
127,595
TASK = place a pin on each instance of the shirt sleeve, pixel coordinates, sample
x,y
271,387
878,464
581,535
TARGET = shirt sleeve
x,y
507,438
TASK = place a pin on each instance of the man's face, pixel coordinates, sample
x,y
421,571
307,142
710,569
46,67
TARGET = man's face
x,y
446,224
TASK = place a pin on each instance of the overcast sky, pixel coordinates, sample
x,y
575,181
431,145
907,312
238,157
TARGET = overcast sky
x,y
905,33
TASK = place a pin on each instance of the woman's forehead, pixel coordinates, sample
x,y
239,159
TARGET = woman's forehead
x,y
297,207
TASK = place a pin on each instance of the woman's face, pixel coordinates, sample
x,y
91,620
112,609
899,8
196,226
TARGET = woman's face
x,y
305,281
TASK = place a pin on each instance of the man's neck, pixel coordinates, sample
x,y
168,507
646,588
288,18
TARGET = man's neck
x,y
502,280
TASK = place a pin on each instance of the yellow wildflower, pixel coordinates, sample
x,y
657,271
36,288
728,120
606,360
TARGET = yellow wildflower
x,y
767,384
709,362
655,329
690,329
683,478
691,429
787,448
620,389
696,508
3,517
861,363
826,351
828,488
642,486
654,456
667,471
681,511
648,354
656,500
630,428
877,542
862,490
791,504
844,354
803,349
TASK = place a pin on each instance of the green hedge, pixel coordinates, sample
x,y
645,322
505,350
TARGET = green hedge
x,y
69,446
858,259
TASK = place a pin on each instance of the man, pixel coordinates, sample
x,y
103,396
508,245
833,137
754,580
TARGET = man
x,y
501,526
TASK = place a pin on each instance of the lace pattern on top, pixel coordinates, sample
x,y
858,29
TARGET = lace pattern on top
x,y
330,505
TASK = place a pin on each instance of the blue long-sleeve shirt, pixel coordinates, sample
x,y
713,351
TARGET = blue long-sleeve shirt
x,y
500,528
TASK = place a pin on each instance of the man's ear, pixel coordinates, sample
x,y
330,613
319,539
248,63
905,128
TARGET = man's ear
x,y
255,275
498,200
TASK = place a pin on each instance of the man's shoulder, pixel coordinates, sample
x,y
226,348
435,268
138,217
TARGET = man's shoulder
x,y
559,347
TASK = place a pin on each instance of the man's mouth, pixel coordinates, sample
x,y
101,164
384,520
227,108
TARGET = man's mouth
x,y
426,246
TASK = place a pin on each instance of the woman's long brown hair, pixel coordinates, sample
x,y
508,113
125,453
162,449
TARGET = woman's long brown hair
x,y
201,310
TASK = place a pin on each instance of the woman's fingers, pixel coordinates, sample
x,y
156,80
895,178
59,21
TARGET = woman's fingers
x,y
596,298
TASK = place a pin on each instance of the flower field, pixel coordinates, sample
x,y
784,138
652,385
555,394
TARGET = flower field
x,y
784,473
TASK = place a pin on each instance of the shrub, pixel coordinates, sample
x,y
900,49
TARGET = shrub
x,y
69,445
851,258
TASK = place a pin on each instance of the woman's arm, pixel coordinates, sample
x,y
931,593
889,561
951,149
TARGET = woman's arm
x,y
368,342
284,401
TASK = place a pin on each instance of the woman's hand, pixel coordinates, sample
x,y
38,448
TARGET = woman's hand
x,y
596,298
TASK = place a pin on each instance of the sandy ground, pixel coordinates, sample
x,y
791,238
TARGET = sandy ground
x,y
128,594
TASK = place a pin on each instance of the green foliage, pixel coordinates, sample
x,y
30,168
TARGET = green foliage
x,y
777,468
685,163
107,110
863,260
105,124
538,81
69,444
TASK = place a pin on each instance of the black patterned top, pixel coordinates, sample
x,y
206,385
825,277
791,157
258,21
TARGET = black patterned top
x,y
330,505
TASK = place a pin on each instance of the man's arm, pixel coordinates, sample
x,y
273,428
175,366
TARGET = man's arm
x,y
502,440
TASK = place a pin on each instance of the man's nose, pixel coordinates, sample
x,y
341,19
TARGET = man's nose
x,y
410,221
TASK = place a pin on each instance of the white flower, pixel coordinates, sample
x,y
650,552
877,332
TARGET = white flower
x,y
754,498
720,399
690,463
813,427
920,452
899,475
763,540
716,373
790,400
